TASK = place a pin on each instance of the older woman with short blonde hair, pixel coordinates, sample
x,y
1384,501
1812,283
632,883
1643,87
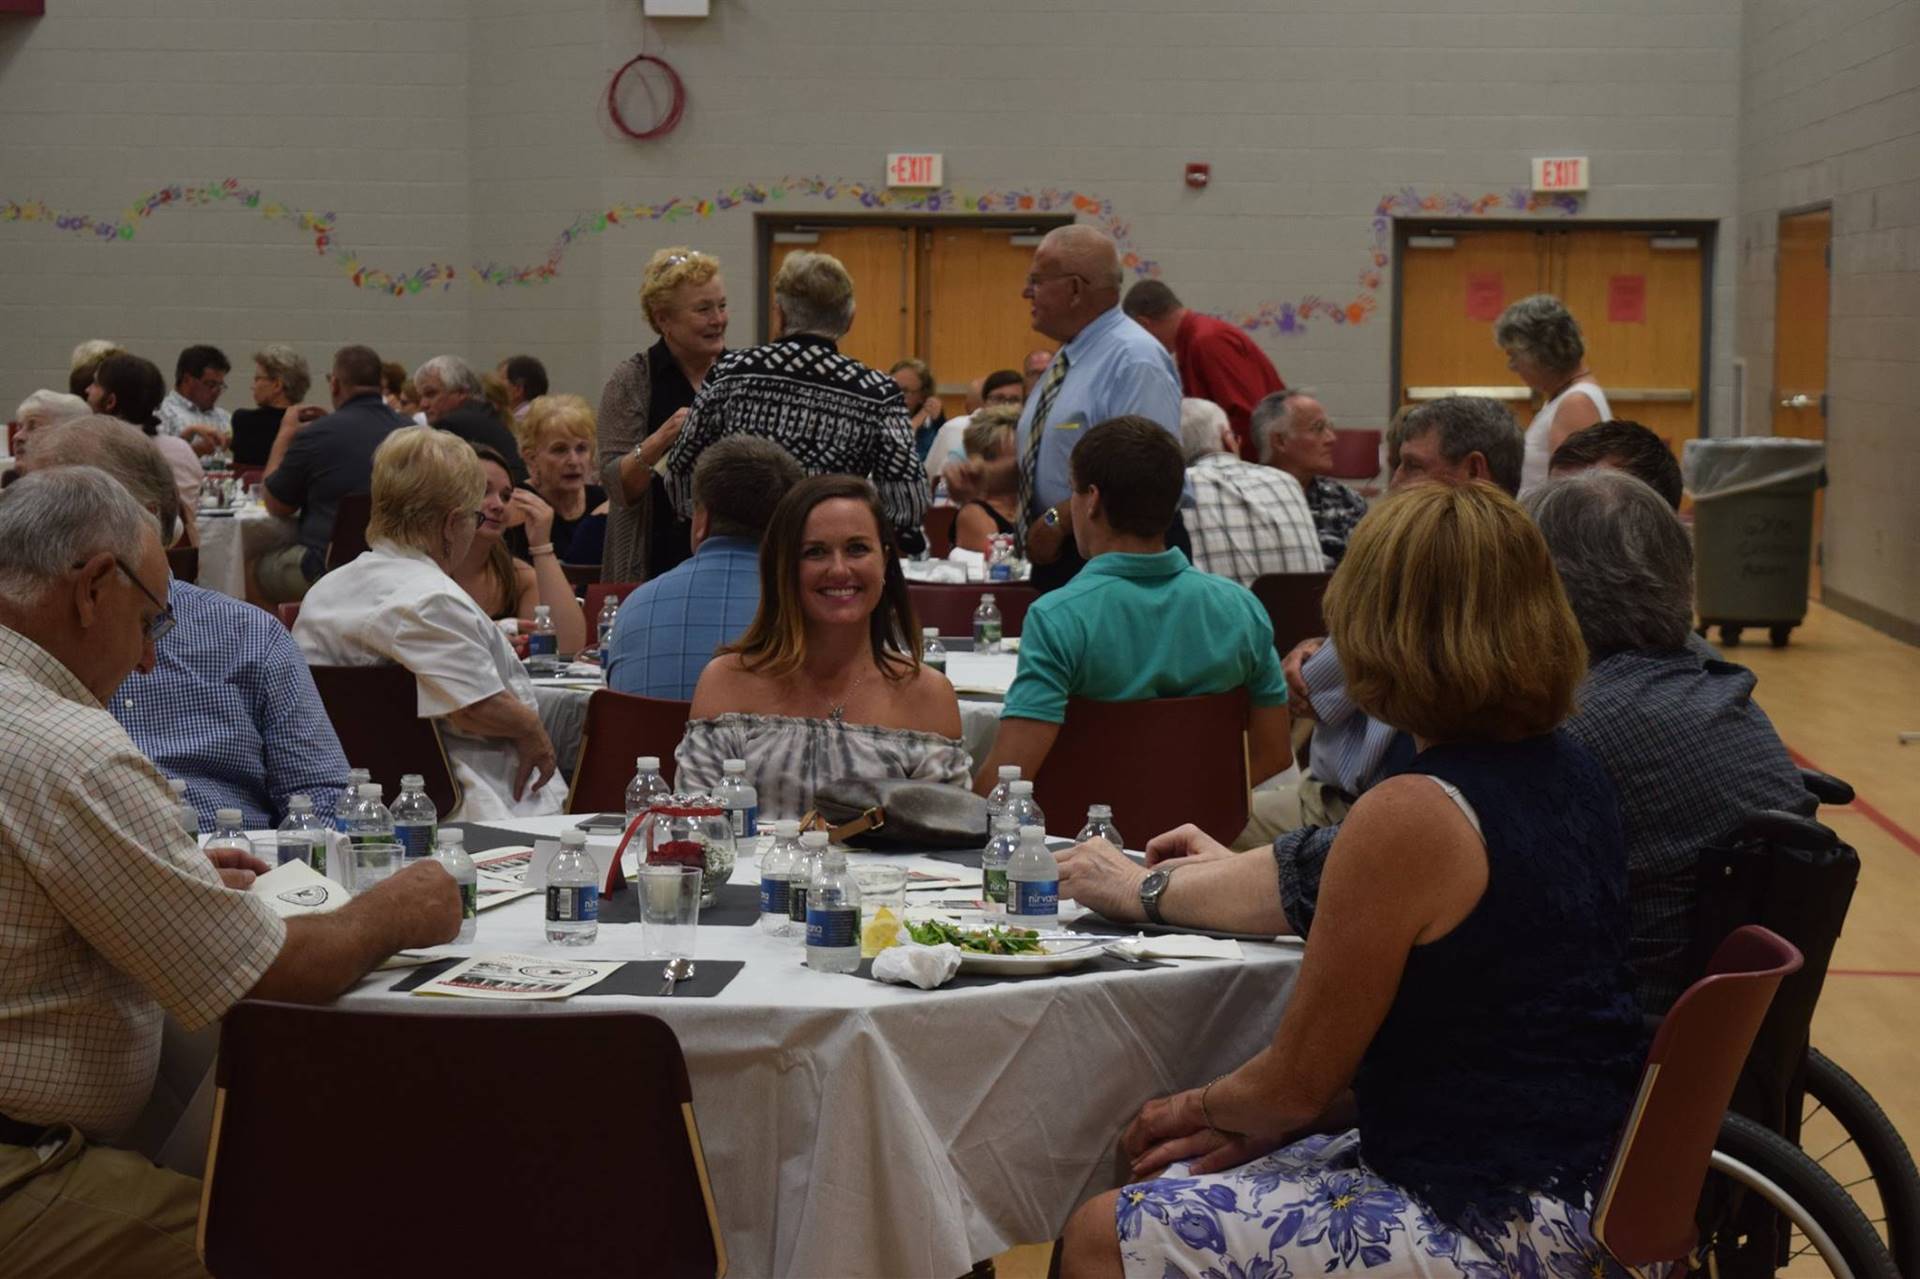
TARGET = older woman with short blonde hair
x,y
1546,351
1459,1051
399,603
644,406
281,379
557,435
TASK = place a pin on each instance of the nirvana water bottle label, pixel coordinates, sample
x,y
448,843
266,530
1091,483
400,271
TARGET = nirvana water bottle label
x,y
937,661
470,900
1033,897
993,884
797,903
746,822
539,645
291,849
986,635
573,905
999,571
834,927
775,895
317,856
606,634
416,838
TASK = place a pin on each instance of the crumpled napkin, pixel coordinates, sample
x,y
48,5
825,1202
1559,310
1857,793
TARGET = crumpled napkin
x,y
1179,946
922,966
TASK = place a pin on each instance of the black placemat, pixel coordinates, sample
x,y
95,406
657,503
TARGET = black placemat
x,y
734,906
961,981
635,977
970,858
1100,926
602,823
484,839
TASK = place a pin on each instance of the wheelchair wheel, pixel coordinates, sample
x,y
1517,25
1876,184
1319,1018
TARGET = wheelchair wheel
x,y
1827,1234
1851,1138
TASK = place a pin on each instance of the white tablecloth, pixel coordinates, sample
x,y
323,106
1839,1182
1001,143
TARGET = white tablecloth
x,y
228,543
854,1128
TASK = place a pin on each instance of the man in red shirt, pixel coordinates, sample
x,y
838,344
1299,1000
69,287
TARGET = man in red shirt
x,y
1217,360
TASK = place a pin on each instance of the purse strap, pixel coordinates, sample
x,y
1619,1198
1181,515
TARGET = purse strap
x,y
870,819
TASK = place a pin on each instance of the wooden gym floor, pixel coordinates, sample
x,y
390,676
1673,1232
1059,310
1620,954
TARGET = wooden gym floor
x,y
1839,695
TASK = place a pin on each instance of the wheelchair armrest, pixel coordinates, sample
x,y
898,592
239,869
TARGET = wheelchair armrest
x,y
1788,830
1825,787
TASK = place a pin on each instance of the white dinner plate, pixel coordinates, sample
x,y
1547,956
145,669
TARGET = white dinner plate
x,y
1071,954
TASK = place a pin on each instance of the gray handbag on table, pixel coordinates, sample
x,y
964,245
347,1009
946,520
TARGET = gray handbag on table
x,y
900,814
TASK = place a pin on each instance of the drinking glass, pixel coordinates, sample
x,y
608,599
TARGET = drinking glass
x,y
883,906
669,910
373,861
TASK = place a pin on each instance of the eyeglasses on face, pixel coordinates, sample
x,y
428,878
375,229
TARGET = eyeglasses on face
x,y
161,622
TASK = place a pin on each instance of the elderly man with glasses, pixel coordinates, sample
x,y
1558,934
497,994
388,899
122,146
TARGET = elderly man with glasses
x,y
1107,367
229,706
110,916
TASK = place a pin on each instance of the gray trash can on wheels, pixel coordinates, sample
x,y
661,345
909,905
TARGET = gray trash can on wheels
x,y
1752,531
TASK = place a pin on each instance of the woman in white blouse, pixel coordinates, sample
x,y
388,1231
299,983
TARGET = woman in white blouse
x,y
827,682
399,603
1545,350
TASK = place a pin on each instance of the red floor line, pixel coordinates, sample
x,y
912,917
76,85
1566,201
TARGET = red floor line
x,y
1873,972
1901,834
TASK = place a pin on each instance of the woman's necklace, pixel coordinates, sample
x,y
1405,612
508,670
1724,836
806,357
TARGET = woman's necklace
x,y
838,714
1563,388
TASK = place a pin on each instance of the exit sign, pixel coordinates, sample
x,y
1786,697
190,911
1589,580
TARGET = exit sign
x,y
914,169
1560,173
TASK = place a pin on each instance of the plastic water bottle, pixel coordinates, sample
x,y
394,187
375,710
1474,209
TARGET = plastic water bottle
x,y
1002,789
356,778
543,646
414,818
800,882
1100,826
647,788
738,799
1020,804
932,651
994,860
189,815
986,625
603,628
301,835
229,832
833,915
450,850
1033,882
1000,558
776,879
369,822
573,893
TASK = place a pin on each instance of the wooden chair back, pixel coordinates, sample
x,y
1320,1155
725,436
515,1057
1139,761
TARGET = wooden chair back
x,y
949,606
1292,602
620,728
374,713
1156,763
184,563
349,529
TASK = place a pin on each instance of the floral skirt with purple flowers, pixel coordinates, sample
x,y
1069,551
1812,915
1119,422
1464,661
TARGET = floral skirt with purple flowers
x,y
1316,1208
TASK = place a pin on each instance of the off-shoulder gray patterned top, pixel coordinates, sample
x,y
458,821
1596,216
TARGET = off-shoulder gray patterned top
x,y
788,758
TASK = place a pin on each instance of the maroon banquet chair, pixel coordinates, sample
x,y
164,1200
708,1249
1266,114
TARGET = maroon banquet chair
x,y
1292,601
939,526
372,709
1157,763
288,613
184,563
385,1114
621,727
949,606
1645,1211
349,529
1356,455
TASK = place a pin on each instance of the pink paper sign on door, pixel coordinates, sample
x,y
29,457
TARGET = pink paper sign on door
x,y
1486,296
1627,299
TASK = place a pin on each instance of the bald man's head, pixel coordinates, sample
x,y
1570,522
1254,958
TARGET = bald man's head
x,y
1074,280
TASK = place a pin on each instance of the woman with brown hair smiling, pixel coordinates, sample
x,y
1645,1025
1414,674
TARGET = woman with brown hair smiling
x,y
827,681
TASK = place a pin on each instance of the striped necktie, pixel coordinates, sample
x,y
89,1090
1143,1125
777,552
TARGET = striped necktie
x,y
1030,461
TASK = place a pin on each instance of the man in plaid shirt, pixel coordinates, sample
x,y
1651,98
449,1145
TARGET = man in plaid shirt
x,y
1247,520
109,914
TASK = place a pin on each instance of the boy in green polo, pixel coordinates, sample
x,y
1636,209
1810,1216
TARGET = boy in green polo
x,y
1139,621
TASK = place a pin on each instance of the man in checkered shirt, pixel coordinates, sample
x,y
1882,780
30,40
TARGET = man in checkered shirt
x,y
835,415
110,916
1247,520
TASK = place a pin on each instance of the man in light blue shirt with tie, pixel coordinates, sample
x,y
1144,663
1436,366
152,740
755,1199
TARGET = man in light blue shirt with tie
x,y
1107,367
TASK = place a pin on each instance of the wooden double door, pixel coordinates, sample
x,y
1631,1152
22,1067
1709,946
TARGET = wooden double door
x,y
947,292
1639,296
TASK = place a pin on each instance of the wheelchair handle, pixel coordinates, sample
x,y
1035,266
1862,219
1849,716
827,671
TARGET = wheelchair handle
x,y
1825,787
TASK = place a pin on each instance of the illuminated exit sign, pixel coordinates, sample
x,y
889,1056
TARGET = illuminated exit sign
x,y
1560,173
914,169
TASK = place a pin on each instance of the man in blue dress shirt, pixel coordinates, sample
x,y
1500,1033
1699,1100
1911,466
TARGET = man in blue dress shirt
x,y
229,705
669,627
1107,367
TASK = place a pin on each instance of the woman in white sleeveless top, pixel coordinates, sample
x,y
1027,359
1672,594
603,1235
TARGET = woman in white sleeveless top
x,y
1545,350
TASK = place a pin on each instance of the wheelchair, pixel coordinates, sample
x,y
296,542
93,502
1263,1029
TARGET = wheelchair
x,y
1808,1171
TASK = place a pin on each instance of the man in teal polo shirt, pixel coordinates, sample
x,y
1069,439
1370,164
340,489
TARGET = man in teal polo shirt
x,y
1139,621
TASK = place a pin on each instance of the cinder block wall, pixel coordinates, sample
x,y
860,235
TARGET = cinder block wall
x,y
1830,113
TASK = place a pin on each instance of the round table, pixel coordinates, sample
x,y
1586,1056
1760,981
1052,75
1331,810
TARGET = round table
x,y
855,1128
231,540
